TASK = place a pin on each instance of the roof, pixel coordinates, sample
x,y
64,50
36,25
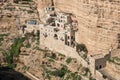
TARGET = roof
x,y
32,22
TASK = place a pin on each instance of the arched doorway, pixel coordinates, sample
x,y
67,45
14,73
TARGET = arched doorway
x,y
55,36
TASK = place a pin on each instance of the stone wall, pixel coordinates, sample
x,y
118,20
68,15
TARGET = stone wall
x,y
114,70
59,46
97,62
99,76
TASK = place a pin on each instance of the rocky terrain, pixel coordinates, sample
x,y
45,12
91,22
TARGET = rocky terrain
x,y
99,21
46,64
22,55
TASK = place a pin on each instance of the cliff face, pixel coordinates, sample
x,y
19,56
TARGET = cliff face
x,y
42,4
99,21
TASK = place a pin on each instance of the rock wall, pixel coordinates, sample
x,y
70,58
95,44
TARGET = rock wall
x,y
99,21
42,4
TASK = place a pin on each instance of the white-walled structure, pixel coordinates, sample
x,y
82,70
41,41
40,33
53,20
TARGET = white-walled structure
x,y
58,33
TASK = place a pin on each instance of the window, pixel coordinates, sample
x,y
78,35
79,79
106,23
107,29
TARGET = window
x,y
58,25
52,9
100,66
68,37
65,39
71,37
49,8
72,43
56,36
68,43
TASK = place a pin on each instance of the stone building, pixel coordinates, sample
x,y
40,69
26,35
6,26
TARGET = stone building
x,y
58,33
98,62
63,19
98,22
56,37
61,27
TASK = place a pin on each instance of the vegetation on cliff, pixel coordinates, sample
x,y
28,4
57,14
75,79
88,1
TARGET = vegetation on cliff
x,y
13,52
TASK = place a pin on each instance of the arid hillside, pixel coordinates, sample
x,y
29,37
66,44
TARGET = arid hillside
x,y
98,21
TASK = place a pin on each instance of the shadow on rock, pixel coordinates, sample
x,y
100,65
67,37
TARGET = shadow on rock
x,y
10,74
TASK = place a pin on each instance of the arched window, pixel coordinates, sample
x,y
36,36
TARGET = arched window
x,y
100,66
23,28
55,36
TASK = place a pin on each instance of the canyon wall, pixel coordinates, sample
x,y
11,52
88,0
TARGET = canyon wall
x,y
42,4
98,21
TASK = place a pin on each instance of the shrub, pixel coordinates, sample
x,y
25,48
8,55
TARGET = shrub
x,y
14,51
75,76
28,45
11,65
60,72
1,39
81,47
104,76
68,60
53,56
86,71
91,78
51,60
15,48
1,36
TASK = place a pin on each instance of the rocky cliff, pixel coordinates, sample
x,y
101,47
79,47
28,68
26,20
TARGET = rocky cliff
x,y
99,21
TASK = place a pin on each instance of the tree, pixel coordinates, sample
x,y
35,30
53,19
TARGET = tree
x,y
81,47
